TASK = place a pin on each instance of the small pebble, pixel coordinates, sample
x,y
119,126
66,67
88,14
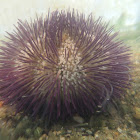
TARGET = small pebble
x,y
119,130
43,137
78,119
137,113
69,131
96,136
83,129
89,132
62,138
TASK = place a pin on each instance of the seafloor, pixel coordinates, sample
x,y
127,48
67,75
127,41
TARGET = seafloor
x,y
120,122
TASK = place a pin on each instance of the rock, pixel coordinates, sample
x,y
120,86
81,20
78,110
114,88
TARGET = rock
x,y
137,113
82,129
89,132
119,130
56,133
78,119
43,137
62,138
69,131
52,136
96,136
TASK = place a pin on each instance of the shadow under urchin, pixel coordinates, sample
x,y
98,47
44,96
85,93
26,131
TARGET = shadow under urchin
x,y
63,64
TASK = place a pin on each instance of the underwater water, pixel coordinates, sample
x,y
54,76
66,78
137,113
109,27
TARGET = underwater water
x,y
121,121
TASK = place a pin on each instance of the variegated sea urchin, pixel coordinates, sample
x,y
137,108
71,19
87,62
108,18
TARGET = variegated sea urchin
x,y
61,65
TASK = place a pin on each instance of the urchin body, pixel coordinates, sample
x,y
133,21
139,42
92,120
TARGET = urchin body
x,y
62,65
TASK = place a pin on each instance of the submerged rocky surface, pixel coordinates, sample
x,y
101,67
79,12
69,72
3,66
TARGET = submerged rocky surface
x,y
120,122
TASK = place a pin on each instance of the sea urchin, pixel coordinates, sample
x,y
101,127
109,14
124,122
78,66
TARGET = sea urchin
x,y
61,65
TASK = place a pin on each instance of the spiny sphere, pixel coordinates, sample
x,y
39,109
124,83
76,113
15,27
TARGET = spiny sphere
x,y
63,64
